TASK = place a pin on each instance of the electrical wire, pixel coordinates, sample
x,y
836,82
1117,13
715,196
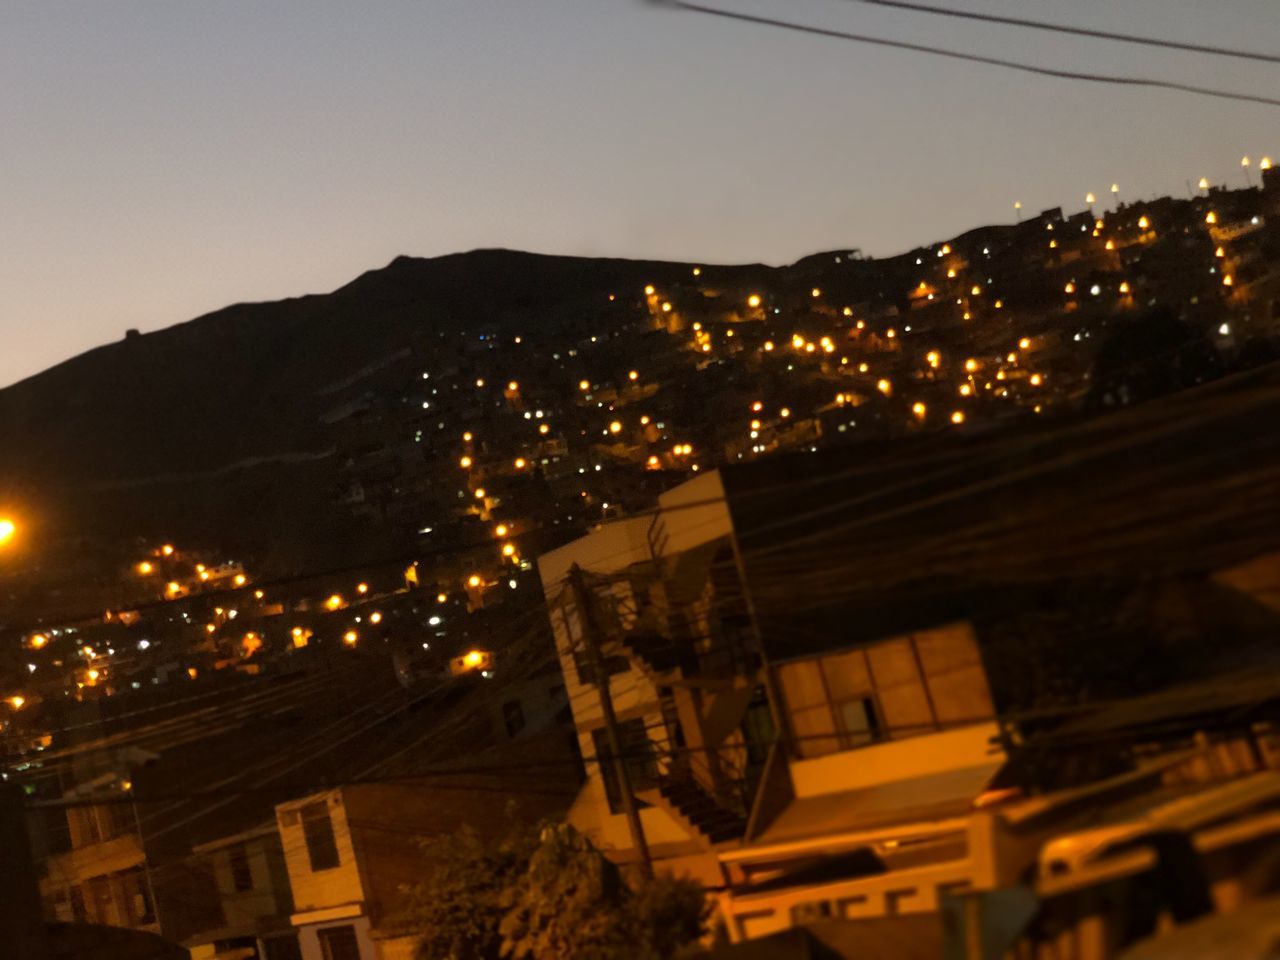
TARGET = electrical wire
x,y
1056,72
1074,31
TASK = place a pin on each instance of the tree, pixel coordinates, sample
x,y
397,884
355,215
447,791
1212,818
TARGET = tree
x,y
571,903
460,903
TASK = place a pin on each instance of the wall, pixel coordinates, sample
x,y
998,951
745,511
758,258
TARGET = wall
x,y
896,760
327,888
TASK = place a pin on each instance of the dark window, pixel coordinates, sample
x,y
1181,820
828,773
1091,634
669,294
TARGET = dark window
x,y
637,749
282,948
339,943
318,829
513,717
77,905
133,884
586,670
241,875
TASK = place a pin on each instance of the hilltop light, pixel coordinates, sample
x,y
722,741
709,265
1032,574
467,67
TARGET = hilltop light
x,y
1204,183
1211,218
946,248
464,462
648,290
145,568
815,292
1143,223
697,271
753,300
1090,198
633,375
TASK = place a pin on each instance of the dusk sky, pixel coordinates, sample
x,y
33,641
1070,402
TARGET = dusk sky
x,y
164,159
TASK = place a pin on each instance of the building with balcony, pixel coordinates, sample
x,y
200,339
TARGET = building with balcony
x,y
813,660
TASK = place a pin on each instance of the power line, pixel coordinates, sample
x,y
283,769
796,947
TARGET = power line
x,y
1075,31
1059,73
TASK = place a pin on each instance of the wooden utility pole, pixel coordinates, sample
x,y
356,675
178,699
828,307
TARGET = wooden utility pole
x,y
22,929
591,639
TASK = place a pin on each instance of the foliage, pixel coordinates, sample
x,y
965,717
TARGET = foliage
x,y
459,904
571,903
546,894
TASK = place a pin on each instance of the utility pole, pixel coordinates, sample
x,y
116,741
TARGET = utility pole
x,y
22,929
591,638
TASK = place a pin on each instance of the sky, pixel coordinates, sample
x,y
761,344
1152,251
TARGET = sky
x,y
162,159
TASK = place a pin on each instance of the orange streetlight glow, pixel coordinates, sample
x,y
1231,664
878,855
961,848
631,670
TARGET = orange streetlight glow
x,y
146,567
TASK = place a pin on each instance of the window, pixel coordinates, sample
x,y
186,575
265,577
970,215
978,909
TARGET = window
x,y
586,669
77,905
898,687
241,875
318,830
338,943
637,748
282,948
137,898
513,717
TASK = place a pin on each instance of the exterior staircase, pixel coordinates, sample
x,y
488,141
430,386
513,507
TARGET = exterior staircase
x,y
698,811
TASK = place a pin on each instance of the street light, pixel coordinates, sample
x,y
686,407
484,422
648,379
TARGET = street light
x,y
7,530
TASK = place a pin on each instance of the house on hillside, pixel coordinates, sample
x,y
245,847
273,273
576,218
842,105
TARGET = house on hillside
x,y
812,660
256,900
351,850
